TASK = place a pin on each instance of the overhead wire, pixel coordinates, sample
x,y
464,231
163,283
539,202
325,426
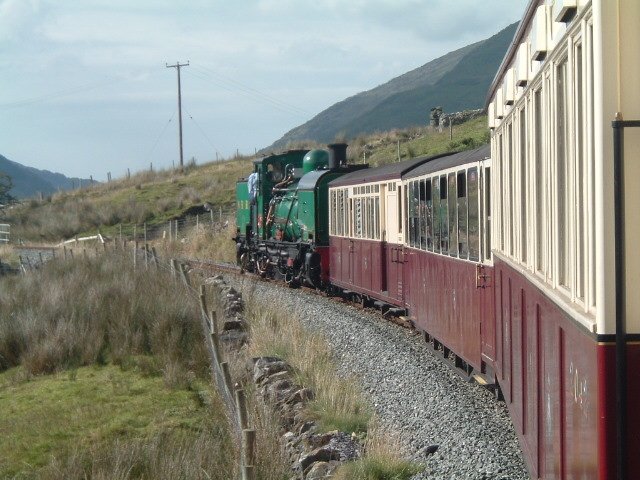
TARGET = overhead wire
x,y
58,94
201,130
248,89
155,144
278,105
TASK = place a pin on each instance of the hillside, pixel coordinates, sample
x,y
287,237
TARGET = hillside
x,y
455,81
156,197
29,181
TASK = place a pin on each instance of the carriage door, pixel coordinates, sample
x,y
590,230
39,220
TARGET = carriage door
x,y
392,245
484,272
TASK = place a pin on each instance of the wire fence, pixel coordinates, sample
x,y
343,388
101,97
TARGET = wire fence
x,y
5,231
211,313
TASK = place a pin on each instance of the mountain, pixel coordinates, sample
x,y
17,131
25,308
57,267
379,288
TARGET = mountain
x,y
29,181
456,81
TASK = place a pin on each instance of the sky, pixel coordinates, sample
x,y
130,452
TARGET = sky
x,y
84,87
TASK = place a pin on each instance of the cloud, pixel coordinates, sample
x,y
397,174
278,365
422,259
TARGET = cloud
x,y
15,15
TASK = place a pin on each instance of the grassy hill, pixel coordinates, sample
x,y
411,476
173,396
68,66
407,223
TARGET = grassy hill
x,y
456,81
156,197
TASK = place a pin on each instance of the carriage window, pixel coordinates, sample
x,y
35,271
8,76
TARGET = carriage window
x,y
357,218
377,216
487,213
539,181
423,215
414,219
429,214
444,218
400,217
562,174
463,241
474,214
453,230
435,200
524,175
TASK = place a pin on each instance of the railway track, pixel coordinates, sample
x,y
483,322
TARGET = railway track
x,y
457,428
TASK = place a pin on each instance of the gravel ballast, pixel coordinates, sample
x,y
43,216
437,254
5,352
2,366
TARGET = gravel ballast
x,y
457,429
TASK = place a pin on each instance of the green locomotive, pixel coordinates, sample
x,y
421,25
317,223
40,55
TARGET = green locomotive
x,y
282,214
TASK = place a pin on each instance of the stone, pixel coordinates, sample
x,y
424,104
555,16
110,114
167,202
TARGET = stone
x,y
233,324
319,470
266,367
321,454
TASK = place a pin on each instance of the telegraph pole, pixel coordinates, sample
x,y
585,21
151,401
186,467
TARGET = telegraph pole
x,y
177,66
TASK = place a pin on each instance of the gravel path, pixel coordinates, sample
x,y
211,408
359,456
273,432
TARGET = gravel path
x,y
412,391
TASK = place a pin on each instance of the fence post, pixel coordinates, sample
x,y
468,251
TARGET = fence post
x,y
155,257
220,214
197,221
185,276
146,254
249,454
214,336
71,252
176,230
174,267
64,250
170,230
211,212
135,254
145,233
227,377
241,403
203,300
40,256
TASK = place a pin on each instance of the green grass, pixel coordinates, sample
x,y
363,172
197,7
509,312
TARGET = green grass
x,y
377,468
53,416
104,374
422,141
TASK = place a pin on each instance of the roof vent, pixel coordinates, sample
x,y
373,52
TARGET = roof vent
x,y
522,65
540,33
509,87
565,10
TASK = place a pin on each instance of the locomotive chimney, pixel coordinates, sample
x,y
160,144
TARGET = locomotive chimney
x,y
337,155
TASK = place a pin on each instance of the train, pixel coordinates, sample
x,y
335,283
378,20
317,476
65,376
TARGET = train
x,y
515,260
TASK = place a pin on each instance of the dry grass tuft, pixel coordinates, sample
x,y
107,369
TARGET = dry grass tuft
x,y
87,311
339,403
382,460
167,455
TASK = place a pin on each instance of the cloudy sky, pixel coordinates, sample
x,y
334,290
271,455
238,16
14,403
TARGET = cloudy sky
x,y
84,89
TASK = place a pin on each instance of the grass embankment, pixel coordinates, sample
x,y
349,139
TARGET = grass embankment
x,y
158,196
339,403
105,375
151,197
382,148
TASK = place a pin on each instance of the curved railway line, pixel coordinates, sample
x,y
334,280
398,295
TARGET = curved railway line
x,y
457,428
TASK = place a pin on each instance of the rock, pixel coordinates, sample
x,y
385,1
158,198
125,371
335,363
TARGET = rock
x,y
267,366
302,395
322,454
233,324
233,339
319,470
307,427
